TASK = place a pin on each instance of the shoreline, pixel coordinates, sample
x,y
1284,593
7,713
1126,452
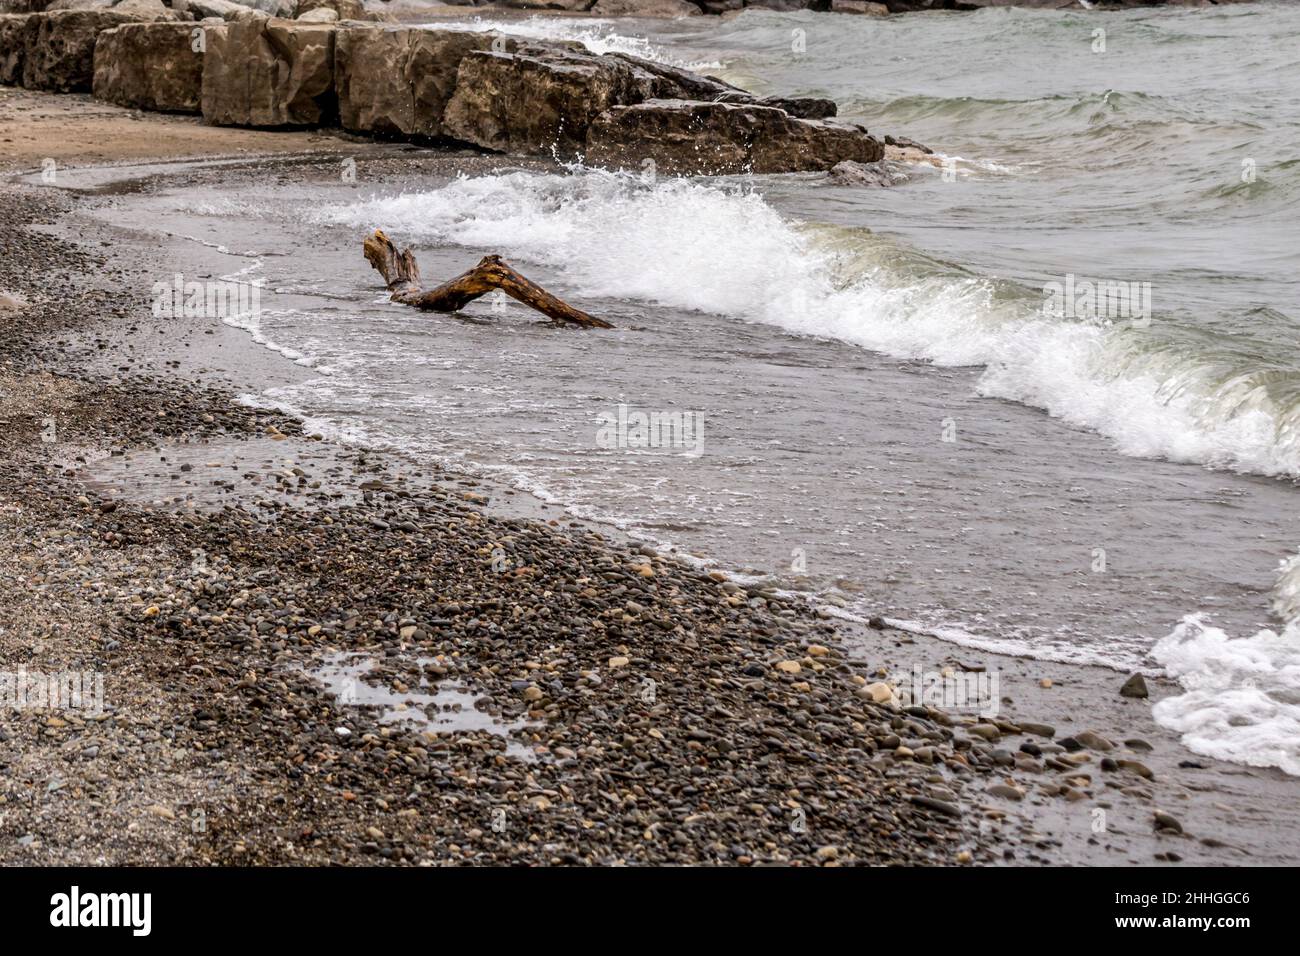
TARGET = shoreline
x,y
185,669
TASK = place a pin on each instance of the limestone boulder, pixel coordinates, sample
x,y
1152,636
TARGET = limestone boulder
x,y
269,72
13,46
540,103
398,81
657,9
151,66
696,138
60,51
147,9
346,9
203,9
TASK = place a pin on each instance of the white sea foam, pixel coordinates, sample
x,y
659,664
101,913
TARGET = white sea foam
x,y
723,249
1241,699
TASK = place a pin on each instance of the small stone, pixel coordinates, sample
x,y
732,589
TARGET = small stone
x,y
1133,766
374,833
1045,682
1038,730
818,650
532,693
1094,741
789,667
987,731
618,662
828,853
1006,791
965,856
159,810
1165,821
879,692
1135,686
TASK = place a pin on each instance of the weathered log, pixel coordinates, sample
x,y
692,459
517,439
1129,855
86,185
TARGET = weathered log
x,y
402,274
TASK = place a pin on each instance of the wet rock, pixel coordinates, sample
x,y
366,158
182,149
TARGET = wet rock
x,y
693,138
860,7
1038,730
1135,686
849,173
343,9
1167,822
1091,740
665,9
269,72
939,806
147,9
150,66
201,9
1006,791
319,15
1133,766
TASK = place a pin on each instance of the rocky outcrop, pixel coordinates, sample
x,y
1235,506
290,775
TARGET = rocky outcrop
x,y
540,100
346,9
660,9
202,9
538,104
13,47
863,7
146,9
697,138
60,50
399,81
151,66
268,72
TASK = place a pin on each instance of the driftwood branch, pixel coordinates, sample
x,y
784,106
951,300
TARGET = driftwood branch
x,y
402,274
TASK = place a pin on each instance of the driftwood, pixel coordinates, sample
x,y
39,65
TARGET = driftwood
x,y
402,274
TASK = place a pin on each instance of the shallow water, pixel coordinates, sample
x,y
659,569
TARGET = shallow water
x,y
880,411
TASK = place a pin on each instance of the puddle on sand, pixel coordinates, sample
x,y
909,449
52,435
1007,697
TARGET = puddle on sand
x,y
208,475
449,709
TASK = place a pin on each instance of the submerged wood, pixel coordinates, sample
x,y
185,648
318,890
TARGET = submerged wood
x,y
402,274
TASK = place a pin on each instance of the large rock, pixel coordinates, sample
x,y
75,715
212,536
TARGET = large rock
x,y
399,81
22,6
60,51
538,104
199,9
13,46
696,138
346,9
541,100
269,72
146,9
666,9
151,66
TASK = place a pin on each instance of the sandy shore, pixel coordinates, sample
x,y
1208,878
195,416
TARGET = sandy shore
x,y
315,654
